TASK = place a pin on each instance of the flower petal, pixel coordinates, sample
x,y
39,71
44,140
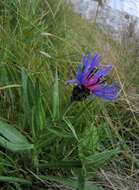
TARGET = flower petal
x,y
95,61
83,68
101,73
104,71
107,92
92,63
79,74
86,60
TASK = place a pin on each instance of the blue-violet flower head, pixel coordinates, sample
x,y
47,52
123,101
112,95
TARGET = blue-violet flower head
x,y
91,80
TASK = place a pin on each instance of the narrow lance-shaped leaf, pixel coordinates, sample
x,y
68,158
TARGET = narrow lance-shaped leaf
x,y
28,97
12,139
96,160
8,179
81,180
62,164
11,133
38,112
56,103
71,183
71,127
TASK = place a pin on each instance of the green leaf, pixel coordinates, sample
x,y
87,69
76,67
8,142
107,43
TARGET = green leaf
x,y
90,142
81,180
38,116
99,159
8,179
59,132
38,112
69,124
15,147
12,139
56,104
28,97
11,133
71,183
62,164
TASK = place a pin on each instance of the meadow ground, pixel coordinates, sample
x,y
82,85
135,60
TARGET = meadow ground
x,y
46,142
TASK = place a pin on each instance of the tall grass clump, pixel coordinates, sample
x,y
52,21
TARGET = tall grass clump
x,y
46,142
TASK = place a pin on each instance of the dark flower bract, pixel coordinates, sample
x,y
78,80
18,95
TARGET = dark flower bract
x,y
91,79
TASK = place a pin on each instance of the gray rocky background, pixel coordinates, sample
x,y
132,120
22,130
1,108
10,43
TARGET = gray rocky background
x,y
120,18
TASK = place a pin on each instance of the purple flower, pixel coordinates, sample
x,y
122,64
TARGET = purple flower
x,y
91,79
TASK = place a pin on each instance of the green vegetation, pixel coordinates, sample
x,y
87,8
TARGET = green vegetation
x,y
44,140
